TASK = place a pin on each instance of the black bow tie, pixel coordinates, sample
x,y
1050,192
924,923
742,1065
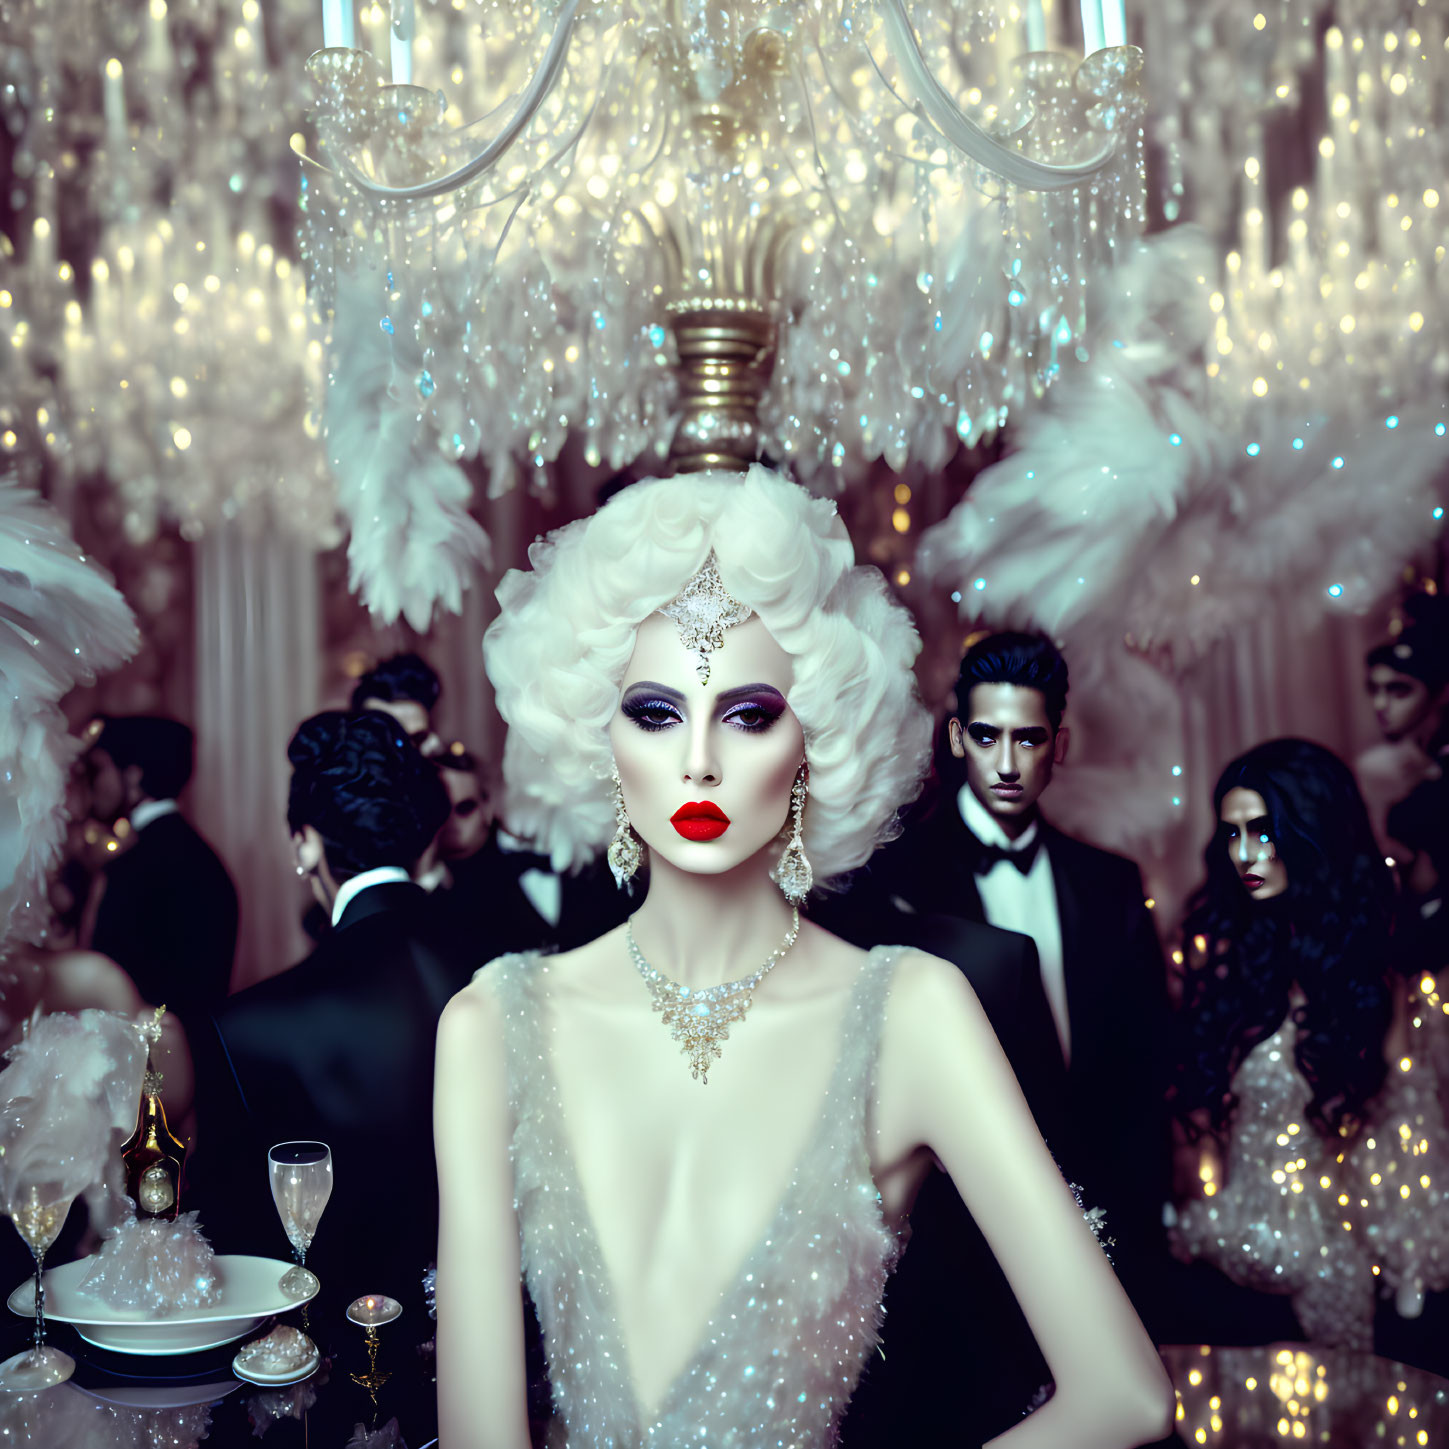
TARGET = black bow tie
x,y
990,855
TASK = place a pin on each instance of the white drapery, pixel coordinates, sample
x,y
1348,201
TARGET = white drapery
x,y
258,668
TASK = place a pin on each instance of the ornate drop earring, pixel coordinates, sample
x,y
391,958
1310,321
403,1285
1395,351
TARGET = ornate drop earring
x,y
625,853
793,872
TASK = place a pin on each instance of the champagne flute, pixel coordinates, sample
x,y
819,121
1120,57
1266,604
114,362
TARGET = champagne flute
x,y
301,1177
38,1217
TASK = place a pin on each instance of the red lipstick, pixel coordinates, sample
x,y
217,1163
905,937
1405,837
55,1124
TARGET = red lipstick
x,y
1252,881
699,820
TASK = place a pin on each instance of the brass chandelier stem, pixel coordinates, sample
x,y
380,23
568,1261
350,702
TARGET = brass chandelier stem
x,y
726,348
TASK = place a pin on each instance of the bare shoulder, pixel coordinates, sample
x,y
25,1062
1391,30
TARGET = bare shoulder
x,y
474,1017
584,960
924,985
936,1050
76,980
933,1019
484,1003
588,973
472,1048
827,951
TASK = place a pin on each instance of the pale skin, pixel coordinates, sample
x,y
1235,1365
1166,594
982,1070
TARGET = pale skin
x,y
1243,816
680,1179
1010,747
1407,713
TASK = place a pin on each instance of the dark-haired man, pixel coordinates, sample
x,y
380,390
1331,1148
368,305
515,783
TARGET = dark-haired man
x,y
1407,683
1083,1037
167,914
407,687
340,1047
1101,962
499,891
1405,780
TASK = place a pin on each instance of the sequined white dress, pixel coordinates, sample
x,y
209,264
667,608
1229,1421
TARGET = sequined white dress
x,y
1328,1221
783,1351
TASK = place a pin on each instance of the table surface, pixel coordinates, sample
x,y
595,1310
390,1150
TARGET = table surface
x,y
1229,1398
185,1400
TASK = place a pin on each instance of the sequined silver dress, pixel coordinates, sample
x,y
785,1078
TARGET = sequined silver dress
x,y
1329,1222
785,1347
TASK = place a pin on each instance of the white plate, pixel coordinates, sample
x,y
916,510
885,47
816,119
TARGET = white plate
x,y
249,1296
291,1376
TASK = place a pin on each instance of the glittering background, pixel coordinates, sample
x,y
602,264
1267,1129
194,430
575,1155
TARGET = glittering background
x,y
172,383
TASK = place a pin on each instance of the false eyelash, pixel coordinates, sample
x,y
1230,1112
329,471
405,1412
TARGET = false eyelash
x,y
639,709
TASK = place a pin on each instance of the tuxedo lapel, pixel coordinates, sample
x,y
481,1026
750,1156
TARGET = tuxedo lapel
x,y
936,877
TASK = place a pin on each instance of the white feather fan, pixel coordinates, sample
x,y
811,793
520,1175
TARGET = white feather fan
x,y
61,621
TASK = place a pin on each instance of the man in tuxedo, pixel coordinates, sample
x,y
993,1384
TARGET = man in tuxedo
x,y
340,1048
494,890
406,687
167,912
1084,1034
1101,961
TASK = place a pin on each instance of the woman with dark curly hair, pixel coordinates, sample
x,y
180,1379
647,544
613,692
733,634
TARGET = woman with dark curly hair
x,y
1284,1053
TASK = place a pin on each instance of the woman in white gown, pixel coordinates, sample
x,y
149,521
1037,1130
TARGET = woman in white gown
x,y
698,1136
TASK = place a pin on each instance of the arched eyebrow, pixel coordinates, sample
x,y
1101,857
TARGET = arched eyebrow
x,y
652,686
727,696
751,691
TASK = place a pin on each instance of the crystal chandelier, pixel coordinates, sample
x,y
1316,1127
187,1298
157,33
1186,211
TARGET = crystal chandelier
x,y
824,233
157,322
1332,294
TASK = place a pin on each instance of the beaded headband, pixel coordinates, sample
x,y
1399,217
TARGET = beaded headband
x,y
702,612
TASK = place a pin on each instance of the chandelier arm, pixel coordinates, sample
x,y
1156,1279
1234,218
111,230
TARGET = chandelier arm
x,y
820,169
963,133
533,97
523,193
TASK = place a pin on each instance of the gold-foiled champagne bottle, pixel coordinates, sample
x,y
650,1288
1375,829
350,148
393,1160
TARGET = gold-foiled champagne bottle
x,y
153,1157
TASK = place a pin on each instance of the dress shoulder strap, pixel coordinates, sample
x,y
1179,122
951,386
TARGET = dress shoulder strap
x,y
860,1032
511,980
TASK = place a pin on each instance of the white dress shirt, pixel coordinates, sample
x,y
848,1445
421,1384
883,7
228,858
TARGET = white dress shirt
x,y
1025,903
149,810
378,875
543,888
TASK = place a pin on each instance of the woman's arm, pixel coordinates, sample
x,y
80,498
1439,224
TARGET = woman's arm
x,y
945,1084
75,980
482,1397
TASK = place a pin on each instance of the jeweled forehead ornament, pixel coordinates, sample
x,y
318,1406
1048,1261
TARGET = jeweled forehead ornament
x,y
702,613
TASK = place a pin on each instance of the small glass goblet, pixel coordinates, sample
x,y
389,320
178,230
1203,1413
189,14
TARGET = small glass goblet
x,y
301,1178
38,1217
371,1312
